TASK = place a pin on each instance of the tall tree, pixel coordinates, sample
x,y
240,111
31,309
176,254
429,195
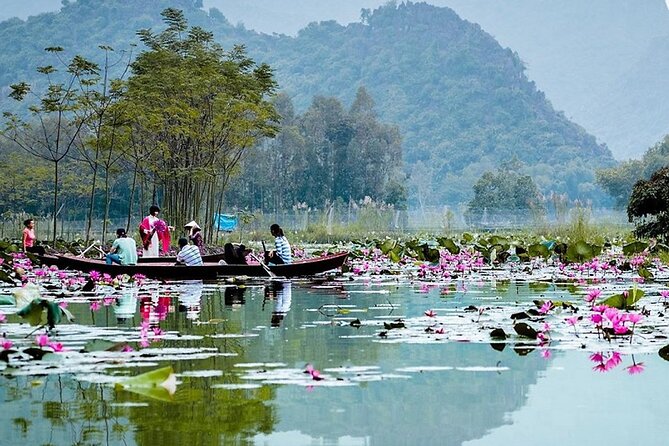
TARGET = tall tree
x,y
203,107
57,118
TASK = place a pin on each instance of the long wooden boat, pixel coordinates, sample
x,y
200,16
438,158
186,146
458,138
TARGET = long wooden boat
x,y
208,271
208,258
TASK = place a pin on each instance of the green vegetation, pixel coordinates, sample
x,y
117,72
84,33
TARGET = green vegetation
x,y
326,157
649,206
619,181
505,194
462,103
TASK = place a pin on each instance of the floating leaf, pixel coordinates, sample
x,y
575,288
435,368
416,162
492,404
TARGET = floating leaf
x,y
524,329
621,302
449,244
6,278
32,312
538,250
26,294
647,275
7,300
498,333
664,353
634,248
158,384
102,345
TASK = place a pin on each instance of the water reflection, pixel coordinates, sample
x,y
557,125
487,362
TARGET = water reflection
x,y
125,307
234,295
403,393
280,293
190,296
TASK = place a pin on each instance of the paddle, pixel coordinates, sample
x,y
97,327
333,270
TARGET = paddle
x,y
265,267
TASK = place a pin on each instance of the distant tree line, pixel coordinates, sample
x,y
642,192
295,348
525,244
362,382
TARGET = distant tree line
x,y
327,154
188,126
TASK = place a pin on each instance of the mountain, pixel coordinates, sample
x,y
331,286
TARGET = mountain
x,y
463,103
600,61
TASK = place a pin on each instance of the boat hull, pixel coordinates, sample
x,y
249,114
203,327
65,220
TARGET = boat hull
x,y
208,271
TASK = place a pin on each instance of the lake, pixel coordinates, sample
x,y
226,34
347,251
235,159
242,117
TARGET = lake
x,y
240,355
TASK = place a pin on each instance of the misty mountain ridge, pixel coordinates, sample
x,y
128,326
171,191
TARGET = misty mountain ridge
x,y
463,103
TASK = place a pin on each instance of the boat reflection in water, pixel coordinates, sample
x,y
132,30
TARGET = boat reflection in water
x,y
190,297
281,294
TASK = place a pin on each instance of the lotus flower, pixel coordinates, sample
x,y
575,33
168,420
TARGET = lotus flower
x,y
94,275
546,307
57,347
95,305
6,344
42,340
430,313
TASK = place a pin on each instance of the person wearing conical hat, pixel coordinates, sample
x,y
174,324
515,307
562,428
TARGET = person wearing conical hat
x,y
195,235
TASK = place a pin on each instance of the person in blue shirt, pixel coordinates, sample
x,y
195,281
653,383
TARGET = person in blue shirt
x,y
281,254
123,251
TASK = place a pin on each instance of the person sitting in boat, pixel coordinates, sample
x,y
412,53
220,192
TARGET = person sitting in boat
x,y
195,235
188,255
281,254
29,238
123,251
235,254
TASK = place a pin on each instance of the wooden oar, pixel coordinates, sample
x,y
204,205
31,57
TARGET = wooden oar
x,y
265,267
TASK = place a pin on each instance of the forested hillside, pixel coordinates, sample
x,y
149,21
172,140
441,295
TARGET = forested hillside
x,y
462,103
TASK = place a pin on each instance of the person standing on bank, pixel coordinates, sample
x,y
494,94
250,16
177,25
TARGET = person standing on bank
x,y
123,251
29,238
281,254
188,255
154,231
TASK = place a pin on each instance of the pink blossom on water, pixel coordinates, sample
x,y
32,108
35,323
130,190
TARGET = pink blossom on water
x,y
57,347
592,295
107,301
3,317
144,343
6,344
545,353
94,275
430,313
42,340
127,349
664,294
572,320
546,307
62,304
634,318
95,305
157,331
596,318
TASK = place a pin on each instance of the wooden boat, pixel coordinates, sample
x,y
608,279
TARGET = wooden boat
x,y
208,271
208,258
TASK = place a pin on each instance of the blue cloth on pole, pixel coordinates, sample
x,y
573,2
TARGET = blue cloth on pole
x,y
226,222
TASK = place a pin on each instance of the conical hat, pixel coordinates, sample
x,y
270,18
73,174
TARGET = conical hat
x,y
192,224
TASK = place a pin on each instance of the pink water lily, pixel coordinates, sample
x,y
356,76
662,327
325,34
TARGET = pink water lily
x,y
95,305
42,340
546,307
94,275
635,368
430,313
127,349
592,295
6,344
3,317
62,304
57,347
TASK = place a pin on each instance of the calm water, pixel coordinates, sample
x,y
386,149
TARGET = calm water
x,y
376,391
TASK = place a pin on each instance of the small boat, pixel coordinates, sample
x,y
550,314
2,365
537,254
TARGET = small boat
x,y
208,271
